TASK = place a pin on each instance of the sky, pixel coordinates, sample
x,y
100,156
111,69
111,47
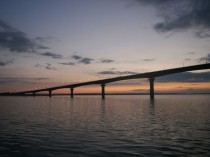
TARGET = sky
x,y
46,43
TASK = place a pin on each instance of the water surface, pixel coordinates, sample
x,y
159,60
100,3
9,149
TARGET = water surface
x,y
119,126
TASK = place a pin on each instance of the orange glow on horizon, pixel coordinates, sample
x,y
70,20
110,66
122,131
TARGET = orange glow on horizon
x,y
142,88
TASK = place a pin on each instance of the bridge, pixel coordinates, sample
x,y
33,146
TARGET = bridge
x,y
103,82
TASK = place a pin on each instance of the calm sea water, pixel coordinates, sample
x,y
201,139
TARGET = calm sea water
x,y
120,126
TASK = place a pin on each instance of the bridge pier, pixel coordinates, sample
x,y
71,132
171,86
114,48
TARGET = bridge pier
x,y
103,90
50,93
72,92
151,81
34,94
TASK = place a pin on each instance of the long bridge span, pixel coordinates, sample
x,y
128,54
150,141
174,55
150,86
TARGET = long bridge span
x,y
103,82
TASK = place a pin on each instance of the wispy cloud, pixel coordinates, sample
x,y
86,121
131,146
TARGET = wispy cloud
x,y
140,90
106,61
203,34
53,55
148,59
9,80
110,72
49,67
43,39
187,59
86,60
38,65
191,53
69,63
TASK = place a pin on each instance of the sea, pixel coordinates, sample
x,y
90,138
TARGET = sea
x,y
119,126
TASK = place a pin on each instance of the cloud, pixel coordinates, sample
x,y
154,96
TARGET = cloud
x,y
185,77
187,59
116,73
49,67
76,57
107,60
3,63
8,80
86,60
206,59
16,41
43,47
140,90
69,63
191,53
82,60
6,62
37,65
194,90
43,39
53,55
148,59
202,34
136,82
181,15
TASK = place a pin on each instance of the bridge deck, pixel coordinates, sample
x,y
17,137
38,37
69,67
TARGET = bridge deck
x,y
136,76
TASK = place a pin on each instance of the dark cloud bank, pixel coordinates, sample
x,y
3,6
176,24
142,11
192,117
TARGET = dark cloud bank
x,y
17,41
4,63
181,15
185,77
180,77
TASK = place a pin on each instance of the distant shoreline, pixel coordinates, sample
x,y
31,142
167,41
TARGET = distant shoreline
x,y
92,94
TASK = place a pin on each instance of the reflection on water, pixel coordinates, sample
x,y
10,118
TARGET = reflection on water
x,y
116,126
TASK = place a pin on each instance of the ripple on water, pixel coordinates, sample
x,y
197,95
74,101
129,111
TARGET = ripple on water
x,y
120,126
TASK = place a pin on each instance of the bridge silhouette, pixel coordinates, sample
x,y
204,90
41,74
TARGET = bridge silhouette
x,y
103,82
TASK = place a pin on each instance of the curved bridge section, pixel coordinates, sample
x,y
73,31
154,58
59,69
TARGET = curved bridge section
x,y
150,75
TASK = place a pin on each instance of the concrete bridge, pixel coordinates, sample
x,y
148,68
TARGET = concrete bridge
x,y
103,82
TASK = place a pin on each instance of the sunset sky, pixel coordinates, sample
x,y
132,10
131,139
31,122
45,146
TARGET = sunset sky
x,y
53,42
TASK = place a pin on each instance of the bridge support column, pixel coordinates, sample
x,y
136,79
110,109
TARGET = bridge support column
x,y
34,94
50,93
103,90
72,92
151,81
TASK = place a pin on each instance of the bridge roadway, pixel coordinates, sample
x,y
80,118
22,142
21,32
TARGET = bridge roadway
x,y
150,75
